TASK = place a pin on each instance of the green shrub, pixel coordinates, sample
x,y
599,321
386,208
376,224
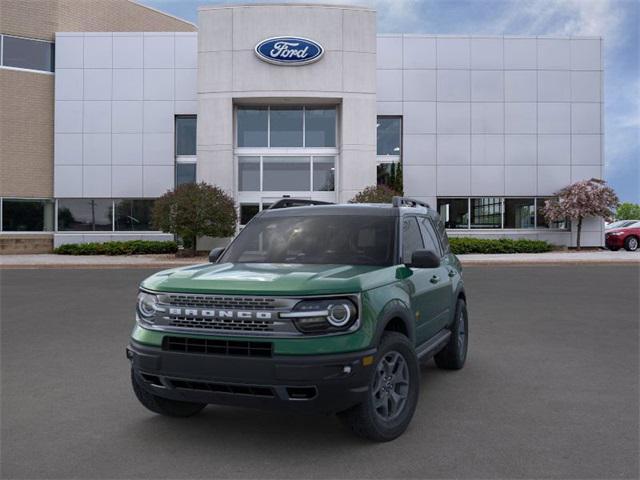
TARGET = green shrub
x,y
131,247
460,245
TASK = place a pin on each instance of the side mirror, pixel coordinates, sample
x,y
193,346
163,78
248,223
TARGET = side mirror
x,y
214,254
424,259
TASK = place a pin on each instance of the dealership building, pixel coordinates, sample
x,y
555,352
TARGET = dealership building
x,y
112,104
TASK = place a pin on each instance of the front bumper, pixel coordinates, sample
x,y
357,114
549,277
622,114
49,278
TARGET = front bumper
x,y
304,383
614,241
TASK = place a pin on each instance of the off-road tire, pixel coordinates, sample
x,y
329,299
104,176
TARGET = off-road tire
x,y
363,419
454,354
631,243
164,406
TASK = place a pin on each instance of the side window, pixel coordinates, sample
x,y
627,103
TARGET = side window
x,y
442,233
430,238
411,238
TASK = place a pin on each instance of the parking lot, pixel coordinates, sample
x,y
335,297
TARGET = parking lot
x,y
550,390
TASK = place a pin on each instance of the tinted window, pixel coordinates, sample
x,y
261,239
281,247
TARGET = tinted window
x,y
454,212
411,238
429,235
248,211
486,212
316,239
27,215
519,213
133,215
286,173
26,53
248,174
442,234
320,127
542,222
286,127
389,133
185,173
84,214
324,174
252,127
186,135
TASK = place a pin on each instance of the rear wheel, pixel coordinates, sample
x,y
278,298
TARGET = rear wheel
x,y
631,244
393,392
454,354
164,406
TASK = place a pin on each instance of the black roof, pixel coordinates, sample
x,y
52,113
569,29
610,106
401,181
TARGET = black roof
x,y
371,209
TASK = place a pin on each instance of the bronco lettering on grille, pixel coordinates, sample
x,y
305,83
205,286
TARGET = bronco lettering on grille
x,y
209,313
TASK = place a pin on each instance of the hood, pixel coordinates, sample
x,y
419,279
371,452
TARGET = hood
x,y
271,279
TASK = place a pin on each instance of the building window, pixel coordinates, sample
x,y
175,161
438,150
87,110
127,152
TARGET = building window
x,y
186,160
26,53
133,215
248,211
286,174
286,127
389,152
454,212
185,173
389,133
186,135
27,215
84,215
542,222
519,213
324,169
486,212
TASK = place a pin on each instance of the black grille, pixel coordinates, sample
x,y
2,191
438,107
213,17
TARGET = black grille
x,y
217,347
211,301
228,324
253,390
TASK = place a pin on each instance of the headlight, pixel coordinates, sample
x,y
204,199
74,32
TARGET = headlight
x,y
323,316
616,233
147,305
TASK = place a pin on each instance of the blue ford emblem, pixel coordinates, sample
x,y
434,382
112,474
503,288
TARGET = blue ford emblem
x,y
289,50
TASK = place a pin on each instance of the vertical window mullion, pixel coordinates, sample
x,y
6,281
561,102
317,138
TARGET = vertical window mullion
x,y
261,177
1,220
311,158
502,213
113,215
304,127
535,213
468,213
268,130
1,49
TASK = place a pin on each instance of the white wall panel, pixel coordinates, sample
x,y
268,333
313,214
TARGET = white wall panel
x,y
454,117
69,50
487,180
126,149
419,52
126,117
520,149
96,117
97,84
554,149
128,84
487,117
454,85
453,52
585,118
96,149
419,85
68,149
68,83
521,85
520,53
586,150
158,51
419,149
96,181
454,149
98,51
127,51
554,54
487,149
487,85
453,180
487,53
554,118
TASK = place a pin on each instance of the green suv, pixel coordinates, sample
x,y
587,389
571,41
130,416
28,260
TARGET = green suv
x,y
325,309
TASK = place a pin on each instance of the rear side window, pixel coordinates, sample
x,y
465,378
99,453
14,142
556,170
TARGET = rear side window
x,y
442,234
431,241
411,238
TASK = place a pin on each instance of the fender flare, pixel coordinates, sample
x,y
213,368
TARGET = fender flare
x,y
395,309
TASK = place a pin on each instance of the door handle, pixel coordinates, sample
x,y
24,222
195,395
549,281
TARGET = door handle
x,y
435,279
452,273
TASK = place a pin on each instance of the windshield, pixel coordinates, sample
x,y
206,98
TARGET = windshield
x,y
621,224
316,239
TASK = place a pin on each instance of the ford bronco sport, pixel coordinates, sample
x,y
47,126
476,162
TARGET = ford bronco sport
x,y
324,308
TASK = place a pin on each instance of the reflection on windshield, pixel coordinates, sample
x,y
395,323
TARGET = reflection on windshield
x,y
317,239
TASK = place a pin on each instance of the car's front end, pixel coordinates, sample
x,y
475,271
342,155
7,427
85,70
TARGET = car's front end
x,y
309,353
614,238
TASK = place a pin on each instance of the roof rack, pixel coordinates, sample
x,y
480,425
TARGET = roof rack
x,y
408,202
296,202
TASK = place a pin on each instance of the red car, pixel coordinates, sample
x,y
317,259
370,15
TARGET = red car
x,y
627,237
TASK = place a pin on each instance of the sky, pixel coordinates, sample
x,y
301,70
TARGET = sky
x,y
617,21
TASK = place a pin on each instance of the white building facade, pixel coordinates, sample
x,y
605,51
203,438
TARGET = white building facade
x,y
482,128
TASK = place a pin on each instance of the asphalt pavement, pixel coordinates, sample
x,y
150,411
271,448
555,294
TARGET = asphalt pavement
x,y
550,390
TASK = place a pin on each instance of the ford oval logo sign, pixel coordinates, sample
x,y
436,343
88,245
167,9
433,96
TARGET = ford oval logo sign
x,y
289,51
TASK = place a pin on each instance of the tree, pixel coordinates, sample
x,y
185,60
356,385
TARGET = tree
x,y
194,210
586,198
628,211
375,194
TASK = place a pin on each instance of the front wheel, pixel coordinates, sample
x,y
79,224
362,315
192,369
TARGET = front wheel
x,y
631,244
454,354
164,406
392,395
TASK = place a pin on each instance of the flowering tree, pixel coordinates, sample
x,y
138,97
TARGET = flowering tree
x,y
194,210
375,194
586,198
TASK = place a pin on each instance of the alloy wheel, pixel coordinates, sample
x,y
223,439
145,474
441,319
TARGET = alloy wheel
x,y
390,386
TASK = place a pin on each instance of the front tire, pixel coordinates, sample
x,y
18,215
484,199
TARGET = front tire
x,y
392,395
164,406
631,244
454,354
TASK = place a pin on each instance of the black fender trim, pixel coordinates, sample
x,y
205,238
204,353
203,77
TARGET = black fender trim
x,y
395,309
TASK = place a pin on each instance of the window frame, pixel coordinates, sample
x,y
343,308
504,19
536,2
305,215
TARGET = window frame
x,y
402,236
22,69
54,224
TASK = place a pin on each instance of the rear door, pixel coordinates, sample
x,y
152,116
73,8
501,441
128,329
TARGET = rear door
x,y
421,285
443,284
